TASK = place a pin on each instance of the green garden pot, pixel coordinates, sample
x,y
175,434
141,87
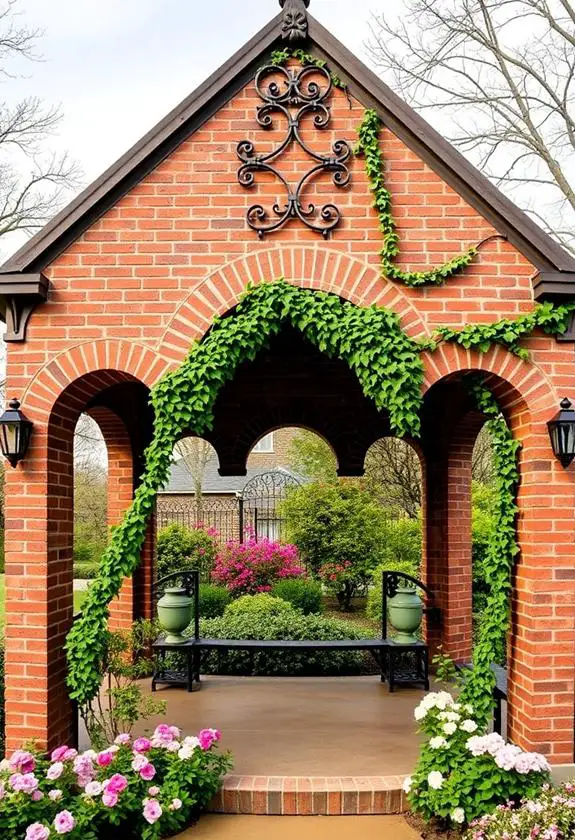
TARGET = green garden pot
x,y
175,611
405,614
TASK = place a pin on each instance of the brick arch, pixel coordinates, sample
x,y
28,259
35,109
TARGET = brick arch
x,y
110,360
518,385
322,269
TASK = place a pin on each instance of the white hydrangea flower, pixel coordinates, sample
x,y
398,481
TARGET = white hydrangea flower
x,y
407,783
435,780
438,742
450,728
458,815
469,726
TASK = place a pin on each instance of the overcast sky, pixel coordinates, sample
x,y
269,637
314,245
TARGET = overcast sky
x,y
116,67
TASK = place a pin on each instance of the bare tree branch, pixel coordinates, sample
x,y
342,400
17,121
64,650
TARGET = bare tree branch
x,y
501,74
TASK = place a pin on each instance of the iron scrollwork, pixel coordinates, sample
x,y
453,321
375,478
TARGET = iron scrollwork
x,y
297,97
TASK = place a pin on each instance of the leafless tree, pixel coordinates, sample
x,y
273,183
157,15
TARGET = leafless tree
x,y
195,455
32,180
393,472
499,76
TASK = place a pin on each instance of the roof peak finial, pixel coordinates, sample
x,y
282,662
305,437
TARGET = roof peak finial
x,y
294,23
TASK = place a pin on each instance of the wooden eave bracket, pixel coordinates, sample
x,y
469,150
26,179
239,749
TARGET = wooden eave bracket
x,y
557,287
20,294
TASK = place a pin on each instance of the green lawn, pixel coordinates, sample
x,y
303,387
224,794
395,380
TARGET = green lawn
x,y
78,600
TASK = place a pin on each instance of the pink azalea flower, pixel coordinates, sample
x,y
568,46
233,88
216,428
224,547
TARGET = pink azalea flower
x,y
142,745
152,811
208,737
37,831
64,822
148,772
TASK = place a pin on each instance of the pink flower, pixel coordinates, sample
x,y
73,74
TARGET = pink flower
x,y
37,831
55,771
70,754
58,754
175,804
139,763
93,789
208,738
64,822
109,799
142,745
55,795
37,796
154,791
23,783
123,739
23,762
148,772
152,811
104,759
117,784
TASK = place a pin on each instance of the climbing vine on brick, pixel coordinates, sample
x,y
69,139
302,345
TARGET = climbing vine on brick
x,y
385,360
369,147
553,320
499,561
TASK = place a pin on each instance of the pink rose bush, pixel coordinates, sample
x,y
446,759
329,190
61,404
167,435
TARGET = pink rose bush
x,y
550,816
252,567
462,773
108,794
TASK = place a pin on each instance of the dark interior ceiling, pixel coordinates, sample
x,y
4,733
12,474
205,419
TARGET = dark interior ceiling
x,y
291,383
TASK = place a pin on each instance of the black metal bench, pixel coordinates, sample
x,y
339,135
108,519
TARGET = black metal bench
x,y
398,663
499,693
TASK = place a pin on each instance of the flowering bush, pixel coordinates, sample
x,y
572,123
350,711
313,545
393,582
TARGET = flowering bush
x,y
146,788
342,579
251,567
462,774
551,816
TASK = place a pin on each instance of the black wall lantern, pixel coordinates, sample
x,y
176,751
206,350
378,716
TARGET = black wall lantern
x,y
562,433
15,431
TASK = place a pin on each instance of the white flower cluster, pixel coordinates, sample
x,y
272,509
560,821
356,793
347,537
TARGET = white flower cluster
x,y
434,700
507,756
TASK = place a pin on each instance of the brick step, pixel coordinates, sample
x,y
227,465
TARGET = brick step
x,y
310,796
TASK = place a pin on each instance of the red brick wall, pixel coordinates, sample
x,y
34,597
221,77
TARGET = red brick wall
x,y
143,282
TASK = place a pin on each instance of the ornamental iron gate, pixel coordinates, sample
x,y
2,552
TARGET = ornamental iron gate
x,y
259,505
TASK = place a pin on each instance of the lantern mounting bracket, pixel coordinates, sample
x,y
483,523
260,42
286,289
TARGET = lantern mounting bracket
x,y
20,295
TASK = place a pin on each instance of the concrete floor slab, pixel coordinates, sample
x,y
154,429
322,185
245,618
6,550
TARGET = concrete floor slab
x,y
346,726
308,828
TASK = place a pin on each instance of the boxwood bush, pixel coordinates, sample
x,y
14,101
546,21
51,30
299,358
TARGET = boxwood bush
x,y
261,605
304,594
86,571
213,600
289,625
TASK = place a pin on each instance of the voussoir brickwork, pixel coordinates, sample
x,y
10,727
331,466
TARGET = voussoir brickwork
x,y
132,293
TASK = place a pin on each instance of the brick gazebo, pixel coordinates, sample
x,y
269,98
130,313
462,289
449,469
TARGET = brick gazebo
x,y
111,294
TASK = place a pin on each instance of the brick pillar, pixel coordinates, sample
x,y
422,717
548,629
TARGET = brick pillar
x,y
39,537
120,495
144,576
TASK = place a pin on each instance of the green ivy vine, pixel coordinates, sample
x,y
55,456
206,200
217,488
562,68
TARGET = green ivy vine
x,y
553,320
386,361
369,147
280,58
499,560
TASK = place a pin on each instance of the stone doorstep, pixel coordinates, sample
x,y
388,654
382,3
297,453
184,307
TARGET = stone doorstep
x,y
310,796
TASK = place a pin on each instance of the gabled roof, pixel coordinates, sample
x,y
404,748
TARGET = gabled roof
x,y
556,266
180,482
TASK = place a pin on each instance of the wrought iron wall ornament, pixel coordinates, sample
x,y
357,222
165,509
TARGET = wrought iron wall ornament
x,y
294,22
297,97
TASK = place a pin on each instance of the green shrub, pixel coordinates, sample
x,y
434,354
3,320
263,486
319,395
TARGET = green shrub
x,y
88,551
289,625
183,548
213,600
305,595
86,571
375,596
262,605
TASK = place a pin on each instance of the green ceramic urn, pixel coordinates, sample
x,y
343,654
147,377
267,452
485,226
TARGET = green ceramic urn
x,y
405,614
175,611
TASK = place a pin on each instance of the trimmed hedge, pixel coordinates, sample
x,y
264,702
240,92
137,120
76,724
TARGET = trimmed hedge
x,y
86,571
305,595
260,605
289,625
213,600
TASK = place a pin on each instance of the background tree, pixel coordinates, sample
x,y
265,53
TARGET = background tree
x,y
310,456
195,454
498,75
33,180
90,493
393,474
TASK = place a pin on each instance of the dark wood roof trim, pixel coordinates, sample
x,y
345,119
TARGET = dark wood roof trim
x,y
20,294
554,285
443,158
145,155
